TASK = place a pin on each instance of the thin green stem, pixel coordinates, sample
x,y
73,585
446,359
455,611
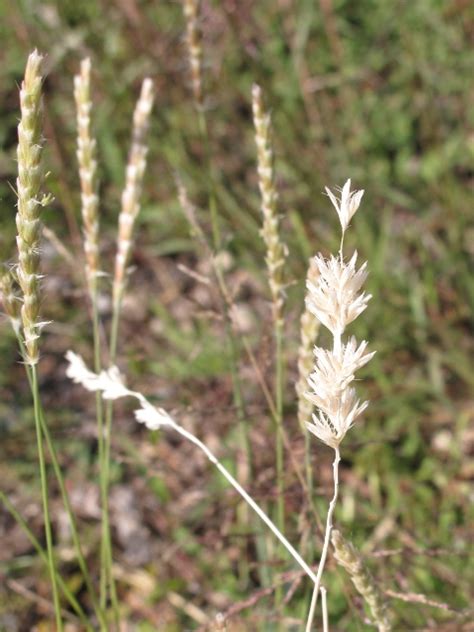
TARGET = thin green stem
x,y
39,549
65,497
279,423
45,500
105,531
279,454
105,473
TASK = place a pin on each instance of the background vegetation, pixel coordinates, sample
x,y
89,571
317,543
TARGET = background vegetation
x,y
377,91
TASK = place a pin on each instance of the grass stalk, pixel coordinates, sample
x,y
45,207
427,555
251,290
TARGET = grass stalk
x,y
279,368
67,504
329,524
44,496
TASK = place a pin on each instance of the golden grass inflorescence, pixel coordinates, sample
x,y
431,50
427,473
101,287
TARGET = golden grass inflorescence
x,y
130,204
347,556
30,202
276,250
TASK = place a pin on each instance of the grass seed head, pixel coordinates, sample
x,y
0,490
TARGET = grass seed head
x,y
86,157
135,171
335,298
29,182
347,556
194,44
276,249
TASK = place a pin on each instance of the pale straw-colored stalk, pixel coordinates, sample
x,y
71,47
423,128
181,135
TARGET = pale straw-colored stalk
x,y
276,253
348,557
324,606
335,299
30,202
110,383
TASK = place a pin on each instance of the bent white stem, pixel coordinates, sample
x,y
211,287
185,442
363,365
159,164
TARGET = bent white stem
x,y
324,605
248,499
327,536
112,387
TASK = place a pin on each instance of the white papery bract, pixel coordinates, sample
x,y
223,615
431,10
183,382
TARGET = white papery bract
x,y
78,372
347,205
109,382
334,371
153,418
336,299
330,392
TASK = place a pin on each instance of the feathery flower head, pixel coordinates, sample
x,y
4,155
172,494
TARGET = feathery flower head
x,y
335,298
347,205
333,420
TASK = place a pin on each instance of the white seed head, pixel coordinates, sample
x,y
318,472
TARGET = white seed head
x,y
335,299
331,426
347,205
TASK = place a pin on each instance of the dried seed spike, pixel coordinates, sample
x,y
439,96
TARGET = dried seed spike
x,y
309,327
276,249
131,194
29,182
194,44
347,556
87,159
